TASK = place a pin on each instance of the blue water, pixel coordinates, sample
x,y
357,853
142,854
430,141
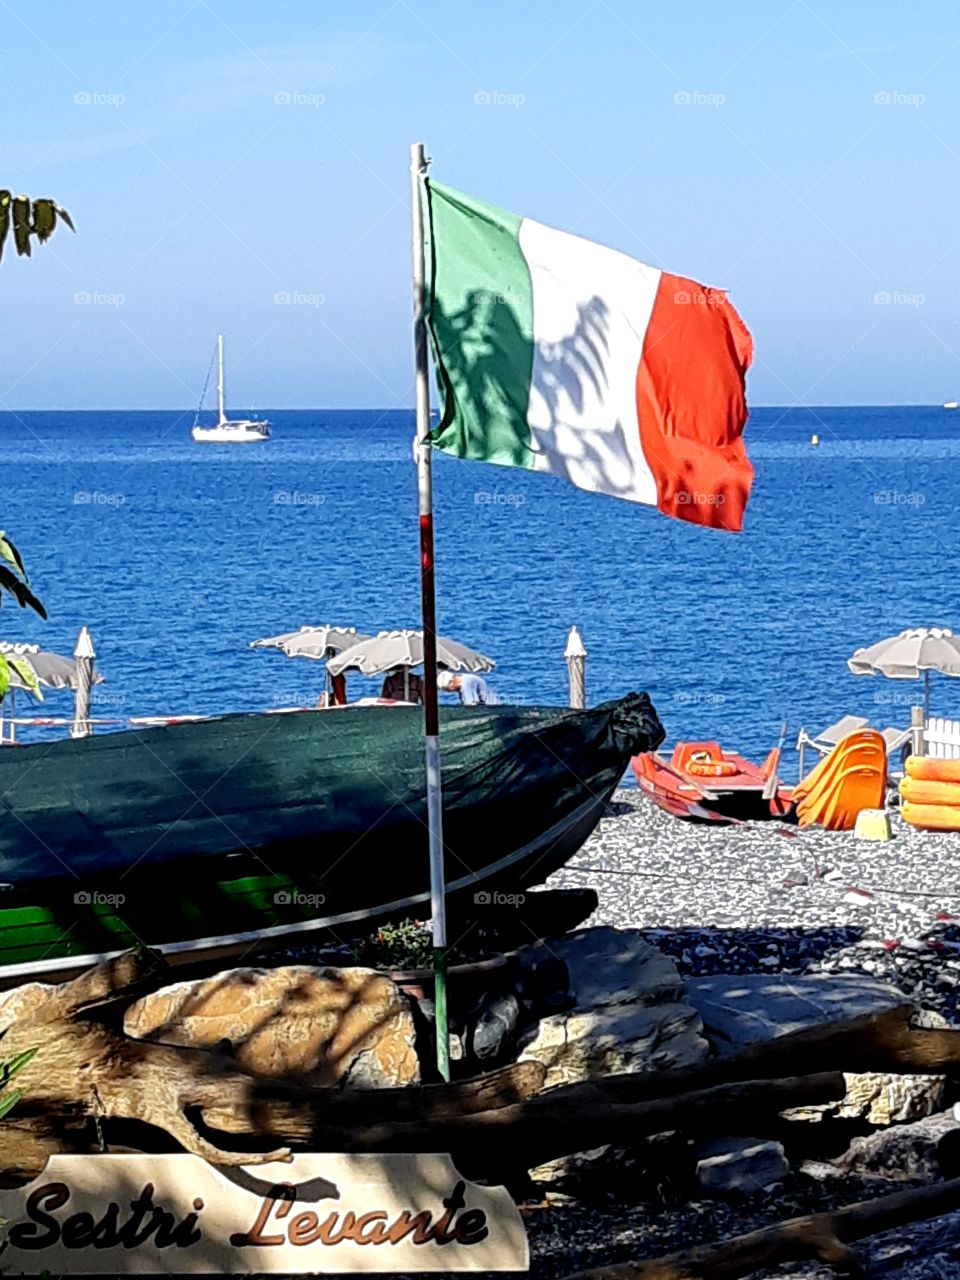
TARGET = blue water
x,y
177,555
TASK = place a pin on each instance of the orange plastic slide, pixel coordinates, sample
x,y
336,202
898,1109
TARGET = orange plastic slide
x,y
851,778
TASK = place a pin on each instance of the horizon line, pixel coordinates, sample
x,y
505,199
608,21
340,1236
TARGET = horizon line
x,y
853,404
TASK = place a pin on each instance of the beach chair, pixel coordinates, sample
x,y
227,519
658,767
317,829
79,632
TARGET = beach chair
x,y
827,739
899,744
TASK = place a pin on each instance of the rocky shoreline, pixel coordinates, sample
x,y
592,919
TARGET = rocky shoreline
x,y
705,943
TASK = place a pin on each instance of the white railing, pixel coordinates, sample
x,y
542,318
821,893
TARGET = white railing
x,y
942,738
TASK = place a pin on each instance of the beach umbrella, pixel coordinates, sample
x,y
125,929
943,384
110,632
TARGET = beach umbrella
x,y
51,669
391,649
312,642
84,655
907,656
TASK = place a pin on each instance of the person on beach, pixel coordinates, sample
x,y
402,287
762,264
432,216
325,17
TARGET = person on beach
x,y
336,694
394,691
473,690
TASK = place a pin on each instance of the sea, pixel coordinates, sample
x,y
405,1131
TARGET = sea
x,y
176,556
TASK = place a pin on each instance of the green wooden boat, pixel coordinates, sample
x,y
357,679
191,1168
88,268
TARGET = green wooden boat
x,y
211,838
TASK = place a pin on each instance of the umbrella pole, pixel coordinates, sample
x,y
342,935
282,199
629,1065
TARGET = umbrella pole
x,y
84,654
576,658
431,715
926,696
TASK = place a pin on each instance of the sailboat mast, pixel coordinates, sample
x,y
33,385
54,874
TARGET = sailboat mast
x,y
223,416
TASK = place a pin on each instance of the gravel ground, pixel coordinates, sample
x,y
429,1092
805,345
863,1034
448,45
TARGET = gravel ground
x,y
765,897
756,898
568,1239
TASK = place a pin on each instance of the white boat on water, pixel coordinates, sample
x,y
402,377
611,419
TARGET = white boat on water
x,y
950,404
225,431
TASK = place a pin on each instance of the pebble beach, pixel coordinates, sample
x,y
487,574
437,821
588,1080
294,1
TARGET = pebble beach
x,y
769,898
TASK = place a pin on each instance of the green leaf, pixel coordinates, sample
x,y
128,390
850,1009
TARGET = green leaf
x,y
27,674
4,676
22,593
44,219
12,556
8,1070
16,1064
9,1100
4,218
29,218
21,225
65,217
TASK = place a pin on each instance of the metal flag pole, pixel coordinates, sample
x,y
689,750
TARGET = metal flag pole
x,y
431,716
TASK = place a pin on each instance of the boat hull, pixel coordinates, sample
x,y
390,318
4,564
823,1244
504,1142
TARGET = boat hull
x,y
737,797
214,836
232,433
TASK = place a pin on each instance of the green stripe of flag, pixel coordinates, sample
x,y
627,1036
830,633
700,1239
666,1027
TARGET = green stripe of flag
x,y
480,317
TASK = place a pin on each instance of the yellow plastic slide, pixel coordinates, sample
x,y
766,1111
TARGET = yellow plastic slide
x,y
851,778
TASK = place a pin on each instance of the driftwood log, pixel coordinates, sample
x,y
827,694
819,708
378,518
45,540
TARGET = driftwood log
x,y
825,1237
86,1067
88,1070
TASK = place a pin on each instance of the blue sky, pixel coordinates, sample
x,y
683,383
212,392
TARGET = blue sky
x,y
215,155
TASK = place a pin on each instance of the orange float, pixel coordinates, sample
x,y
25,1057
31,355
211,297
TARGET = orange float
x,y
931,817
933,770
702,766
930,791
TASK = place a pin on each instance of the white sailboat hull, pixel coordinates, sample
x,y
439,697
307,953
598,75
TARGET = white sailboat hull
x,y
241,432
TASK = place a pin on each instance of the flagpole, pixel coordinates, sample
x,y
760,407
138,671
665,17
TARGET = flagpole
x,y
431,715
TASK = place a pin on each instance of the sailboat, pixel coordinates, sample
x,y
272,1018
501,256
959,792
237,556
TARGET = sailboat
x,y
238,431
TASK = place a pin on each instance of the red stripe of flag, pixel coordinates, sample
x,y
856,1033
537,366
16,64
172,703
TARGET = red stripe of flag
x,y
691,404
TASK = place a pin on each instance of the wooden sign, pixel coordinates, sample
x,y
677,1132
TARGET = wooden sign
x,y
140,1214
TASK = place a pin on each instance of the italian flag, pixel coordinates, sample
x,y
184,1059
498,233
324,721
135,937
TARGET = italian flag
x,y
557,354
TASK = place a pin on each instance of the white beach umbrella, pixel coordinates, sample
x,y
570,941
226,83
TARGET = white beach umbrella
x,y
51,669
391,649
312,642
907,656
